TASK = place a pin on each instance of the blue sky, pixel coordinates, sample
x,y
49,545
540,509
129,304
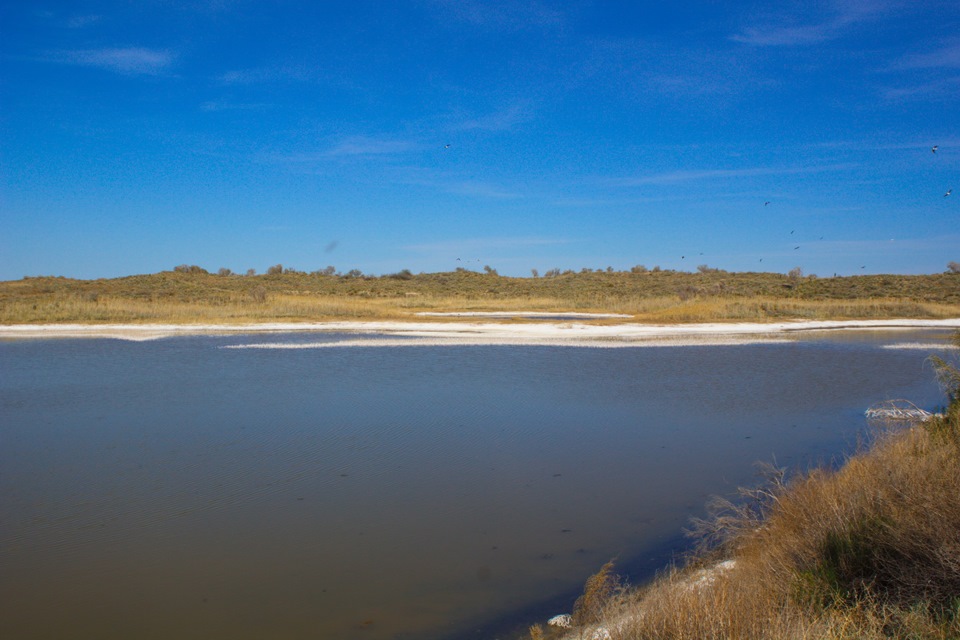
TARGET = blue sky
x,y
380,136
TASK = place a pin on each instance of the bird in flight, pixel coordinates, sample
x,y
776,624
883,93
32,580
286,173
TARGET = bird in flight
x,y
934,148
949,191
796,247
446,146
766,203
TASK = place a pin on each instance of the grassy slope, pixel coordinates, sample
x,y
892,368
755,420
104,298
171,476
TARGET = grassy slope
x,y
665,296
871,550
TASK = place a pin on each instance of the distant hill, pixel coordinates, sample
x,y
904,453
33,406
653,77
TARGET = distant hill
x,y
191,294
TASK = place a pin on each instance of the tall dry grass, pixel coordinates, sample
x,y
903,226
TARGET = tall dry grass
x,y
762,309
259,306
666,296
871,551
229,309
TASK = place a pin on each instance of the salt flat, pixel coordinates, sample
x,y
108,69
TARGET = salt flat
x,y
463,332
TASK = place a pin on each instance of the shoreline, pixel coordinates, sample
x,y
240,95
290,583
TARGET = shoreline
x,y
409,333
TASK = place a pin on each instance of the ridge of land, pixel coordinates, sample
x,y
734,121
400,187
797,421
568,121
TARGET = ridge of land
x,y
193,296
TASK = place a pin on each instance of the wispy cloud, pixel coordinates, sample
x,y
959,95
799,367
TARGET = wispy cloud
x,y
787,30
502,120
946,57
266,75
645,70
370,146
480,189
79,22
788,36
221,105
946,88
127,61
344,148
501,14
682,176
869,145
926,75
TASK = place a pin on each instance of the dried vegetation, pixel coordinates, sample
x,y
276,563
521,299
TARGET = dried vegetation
x,y
188,295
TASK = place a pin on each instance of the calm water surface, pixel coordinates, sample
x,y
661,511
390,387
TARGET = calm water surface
x,y
181,489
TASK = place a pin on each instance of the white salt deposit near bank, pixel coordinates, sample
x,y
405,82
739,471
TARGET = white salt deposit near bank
x,y
482,333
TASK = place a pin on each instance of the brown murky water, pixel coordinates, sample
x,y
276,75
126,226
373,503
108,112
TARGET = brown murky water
x,y
179,489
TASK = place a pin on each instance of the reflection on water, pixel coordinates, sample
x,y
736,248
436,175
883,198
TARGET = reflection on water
x,y
178,489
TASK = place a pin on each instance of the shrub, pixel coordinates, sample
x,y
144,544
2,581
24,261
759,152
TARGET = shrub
x,y
259,295
275,270
189,268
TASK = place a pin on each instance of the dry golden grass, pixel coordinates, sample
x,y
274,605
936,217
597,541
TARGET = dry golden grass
x,y
294,307
871,551
662,297
761,309
277,308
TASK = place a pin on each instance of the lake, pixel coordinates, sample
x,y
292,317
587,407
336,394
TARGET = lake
x,y
185,488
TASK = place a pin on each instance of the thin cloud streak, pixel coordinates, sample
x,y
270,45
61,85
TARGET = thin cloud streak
x,y
79,22
947,57
783,32
369,146
837,247
267,75
126,61
502,120
787,36
507,15
350,147
213,106
866,145
945,88
676,177
483,190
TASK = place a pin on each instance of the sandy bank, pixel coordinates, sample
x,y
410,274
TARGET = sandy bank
x,y
409,333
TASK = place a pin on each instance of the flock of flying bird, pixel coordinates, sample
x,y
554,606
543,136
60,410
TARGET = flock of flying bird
x,y
933,149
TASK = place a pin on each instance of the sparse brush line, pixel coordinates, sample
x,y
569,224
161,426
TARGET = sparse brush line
x,y
655,297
